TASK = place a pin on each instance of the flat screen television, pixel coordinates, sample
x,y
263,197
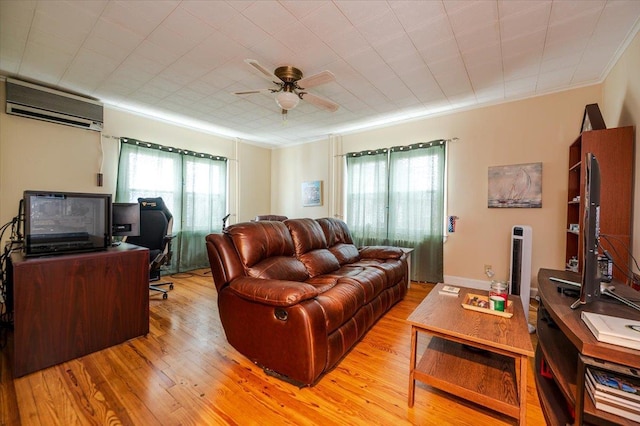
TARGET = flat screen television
x,y
65,222
125,219
590,280
593,282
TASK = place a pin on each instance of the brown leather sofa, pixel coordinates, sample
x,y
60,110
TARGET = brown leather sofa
x,y
295,296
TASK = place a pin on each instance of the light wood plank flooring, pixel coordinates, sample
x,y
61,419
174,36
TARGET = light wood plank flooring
x,y
184,372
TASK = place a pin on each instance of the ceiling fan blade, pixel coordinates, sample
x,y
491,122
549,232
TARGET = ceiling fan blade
x,y
316,79
262,70
251,92
319,101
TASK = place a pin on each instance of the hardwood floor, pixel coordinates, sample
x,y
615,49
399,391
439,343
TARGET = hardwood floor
x,y
185,372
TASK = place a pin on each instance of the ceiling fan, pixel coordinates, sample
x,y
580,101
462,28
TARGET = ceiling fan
x,y
291,86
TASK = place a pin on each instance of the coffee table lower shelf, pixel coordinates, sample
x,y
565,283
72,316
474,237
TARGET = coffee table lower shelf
x,y
486,378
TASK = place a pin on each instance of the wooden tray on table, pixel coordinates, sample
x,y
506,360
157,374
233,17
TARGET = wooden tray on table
x,y
480,303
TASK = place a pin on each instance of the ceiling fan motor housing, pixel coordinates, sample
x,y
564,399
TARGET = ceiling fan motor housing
x,y
288,74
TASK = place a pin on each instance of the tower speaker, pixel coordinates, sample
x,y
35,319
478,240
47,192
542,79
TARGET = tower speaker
x,y
520,266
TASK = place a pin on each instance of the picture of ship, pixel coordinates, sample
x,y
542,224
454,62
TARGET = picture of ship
x,y
516,186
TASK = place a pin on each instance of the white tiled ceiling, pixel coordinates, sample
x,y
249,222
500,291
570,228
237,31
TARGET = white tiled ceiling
x,y
393,60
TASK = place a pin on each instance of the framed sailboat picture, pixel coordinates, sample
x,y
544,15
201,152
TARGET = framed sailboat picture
x,y
518,185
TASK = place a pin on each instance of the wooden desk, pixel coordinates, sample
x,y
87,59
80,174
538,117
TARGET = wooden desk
x,y
67,306
496,379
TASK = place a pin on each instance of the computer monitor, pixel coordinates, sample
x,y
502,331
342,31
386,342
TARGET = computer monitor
x,y
125,219
65,222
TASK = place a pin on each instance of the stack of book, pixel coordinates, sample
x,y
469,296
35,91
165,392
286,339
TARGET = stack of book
x,y
614,393
449,290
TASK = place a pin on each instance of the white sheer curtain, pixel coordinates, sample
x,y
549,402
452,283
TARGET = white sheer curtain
x,y
367,196
192,185
204,204
396,197
416,192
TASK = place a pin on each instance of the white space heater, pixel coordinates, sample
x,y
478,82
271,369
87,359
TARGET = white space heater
x,y
520,266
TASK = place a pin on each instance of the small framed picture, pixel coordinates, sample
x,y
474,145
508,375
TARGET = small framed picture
x,y
312,193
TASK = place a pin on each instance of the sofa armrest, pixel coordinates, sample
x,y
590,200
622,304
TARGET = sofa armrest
x,y
272,292
380,252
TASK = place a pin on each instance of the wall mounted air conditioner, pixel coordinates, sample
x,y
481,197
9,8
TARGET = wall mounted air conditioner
x,y
33,101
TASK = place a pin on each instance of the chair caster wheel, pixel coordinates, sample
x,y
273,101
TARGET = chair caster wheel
x,y
165,296
170,286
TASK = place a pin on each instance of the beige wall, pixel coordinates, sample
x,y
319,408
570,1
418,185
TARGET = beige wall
x,y
255,182
621,107
45,156
289,168
533,130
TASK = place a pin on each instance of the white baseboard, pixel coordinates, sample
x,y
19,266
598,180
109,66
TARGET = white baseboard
x,y
467,282
479,284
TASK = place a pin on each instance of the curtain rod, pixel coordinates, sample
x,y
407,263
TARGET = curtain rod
x,y
179,150
454,139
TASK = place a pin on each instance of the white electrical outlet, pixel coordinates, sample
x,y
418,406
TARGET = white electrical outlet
x,y
489,271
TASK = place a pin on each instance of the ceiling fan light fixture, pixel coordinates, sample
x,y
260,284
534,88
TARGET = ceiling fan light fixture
x,y
287,100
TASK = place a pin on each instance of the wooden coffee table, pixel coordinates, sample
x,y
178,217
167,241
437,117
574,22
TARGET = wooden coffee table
x,y
474,355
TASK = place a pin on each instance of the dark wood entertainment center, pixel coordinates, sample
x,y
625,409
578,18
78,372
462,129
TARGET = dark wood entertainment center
x,y
567,347
67,306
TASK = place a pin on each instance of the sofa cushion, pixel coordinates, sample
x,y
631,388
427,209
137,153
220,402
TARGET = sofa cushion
x,y
311,246
307,235
393,269
318,262
335,231
372,281
279,268
345,253
256,241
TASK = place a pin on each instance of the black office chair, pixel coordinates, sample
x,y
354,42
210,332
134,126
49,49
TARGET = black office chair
x,y
156,222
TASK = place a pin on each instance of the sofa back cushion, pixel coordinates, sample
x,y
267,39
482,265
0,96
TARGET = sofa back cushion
x,y
339,240
310,246
345,253
335,231
266,250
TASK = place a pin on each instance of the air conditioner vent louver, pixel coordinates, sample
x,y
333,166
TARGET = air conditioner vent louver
x,y
41,103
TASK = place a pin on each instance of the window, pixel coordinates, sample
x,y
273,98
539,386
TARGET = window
x,y
192,185
396,197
